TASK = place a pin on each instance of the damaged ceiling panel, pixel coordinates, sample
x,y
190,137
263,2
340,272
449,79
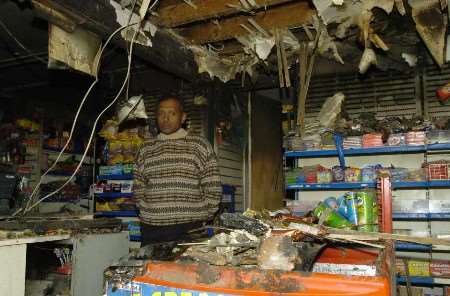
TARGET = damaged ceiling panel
x,y
125,17
431,25
348,9
226,38
78,49
355,23
225,69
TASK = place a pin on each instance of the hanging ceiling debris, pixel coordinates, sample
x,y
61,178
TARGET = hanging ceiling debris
x,y
78,49
125,16
431,25
227,38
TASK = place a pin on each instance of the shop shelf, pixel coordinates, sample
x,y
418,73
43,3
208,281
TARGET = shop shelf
x,y
59,174
135,238
422,184
362,185
419,280
78,156
330,186
115,177
421,216
411,247
117,214
113,195
369,151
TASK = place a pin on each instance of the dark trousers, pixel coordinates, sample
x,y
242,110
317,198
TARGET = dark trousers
x,y
159,234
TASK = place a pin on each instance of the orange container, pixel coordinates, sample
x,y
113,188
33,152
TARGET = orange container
x,y
218,280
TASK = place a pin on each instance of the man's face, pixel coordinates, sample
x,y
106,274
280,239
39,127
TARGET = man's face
x,y
170,116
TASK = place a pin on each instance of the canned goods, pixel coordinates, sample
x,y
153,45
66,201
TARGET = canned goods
x,y
365,212
352,214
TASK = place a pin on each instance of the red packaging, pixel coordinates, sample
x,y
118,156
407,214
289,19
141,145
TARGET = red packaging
x,y
372,140
437,170
415,138
311,177
440,268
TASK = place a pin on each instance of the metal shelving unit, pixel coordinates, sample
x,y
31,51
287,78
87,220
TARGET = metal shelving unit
x,y
115,177
428,281
369,151
109,196
364,185
404,247
117,214
113,195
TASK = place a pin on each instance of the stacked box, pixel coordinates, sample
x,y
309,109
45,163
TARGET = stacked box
x,y
440,268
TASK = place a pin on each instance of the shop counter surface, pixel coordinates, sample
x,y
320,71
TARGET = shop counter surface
x,y
191,279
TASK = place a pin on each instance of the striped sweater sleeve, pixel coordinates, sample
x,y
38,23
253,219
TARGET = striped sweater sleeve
x,y
210,180
139,183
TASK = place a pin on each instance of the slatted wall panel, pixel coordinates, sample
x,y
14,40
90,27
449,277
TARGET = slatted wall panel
x,y
387,94
433,78
197,116
231,170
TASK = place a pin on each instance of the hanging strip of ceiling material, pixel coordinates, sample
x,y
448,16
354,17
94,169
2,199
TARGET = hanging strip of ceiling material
x,y
144,8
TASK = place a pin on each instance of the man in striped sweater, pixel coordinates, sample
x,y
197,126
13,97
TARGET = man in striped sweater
x,y
177,181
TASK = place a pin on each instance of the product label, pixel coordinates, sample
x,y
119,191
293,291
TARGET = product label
x,y
144,289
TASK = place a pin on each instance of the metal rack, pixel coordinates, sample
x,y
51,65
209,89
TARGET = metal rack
x,y
384,194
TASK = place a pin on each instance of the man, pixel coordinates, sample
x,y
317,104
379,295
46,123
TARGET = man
x,y
177,182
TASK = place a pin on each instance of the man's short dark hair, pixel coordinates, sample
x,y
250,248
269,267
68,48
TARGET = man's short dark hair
x,y
170,97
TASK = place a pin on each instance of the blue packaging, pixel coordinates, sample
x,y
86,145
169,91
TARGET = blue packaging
x,y
347,207
342,206
331,202
368,174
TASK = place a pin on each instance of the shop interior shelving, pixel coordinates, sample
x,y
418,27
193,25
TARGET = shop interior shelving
x,y
426,216
113,195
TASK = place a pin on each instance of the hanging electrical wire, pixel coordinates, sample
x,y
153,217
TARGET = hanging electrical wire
x,y
36,188
138,27
5,28
128,51
75,120
93,129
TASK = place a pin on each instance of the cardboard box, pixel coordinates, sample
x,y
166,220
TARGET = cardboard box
x,y
415,291
433,291
410,206
439,206
447,291
415,267
419,268
440,268
400,267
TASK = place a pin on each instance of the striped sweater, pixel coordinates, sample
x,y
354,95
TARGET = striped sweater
x,y
176,180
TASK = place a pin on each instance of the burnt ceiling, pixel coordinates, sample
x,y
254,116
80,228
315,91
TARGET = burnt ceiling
x,y
237,39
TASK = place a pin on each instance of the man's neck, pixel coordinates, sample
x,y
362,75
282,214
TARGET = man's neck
x,y
179,134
